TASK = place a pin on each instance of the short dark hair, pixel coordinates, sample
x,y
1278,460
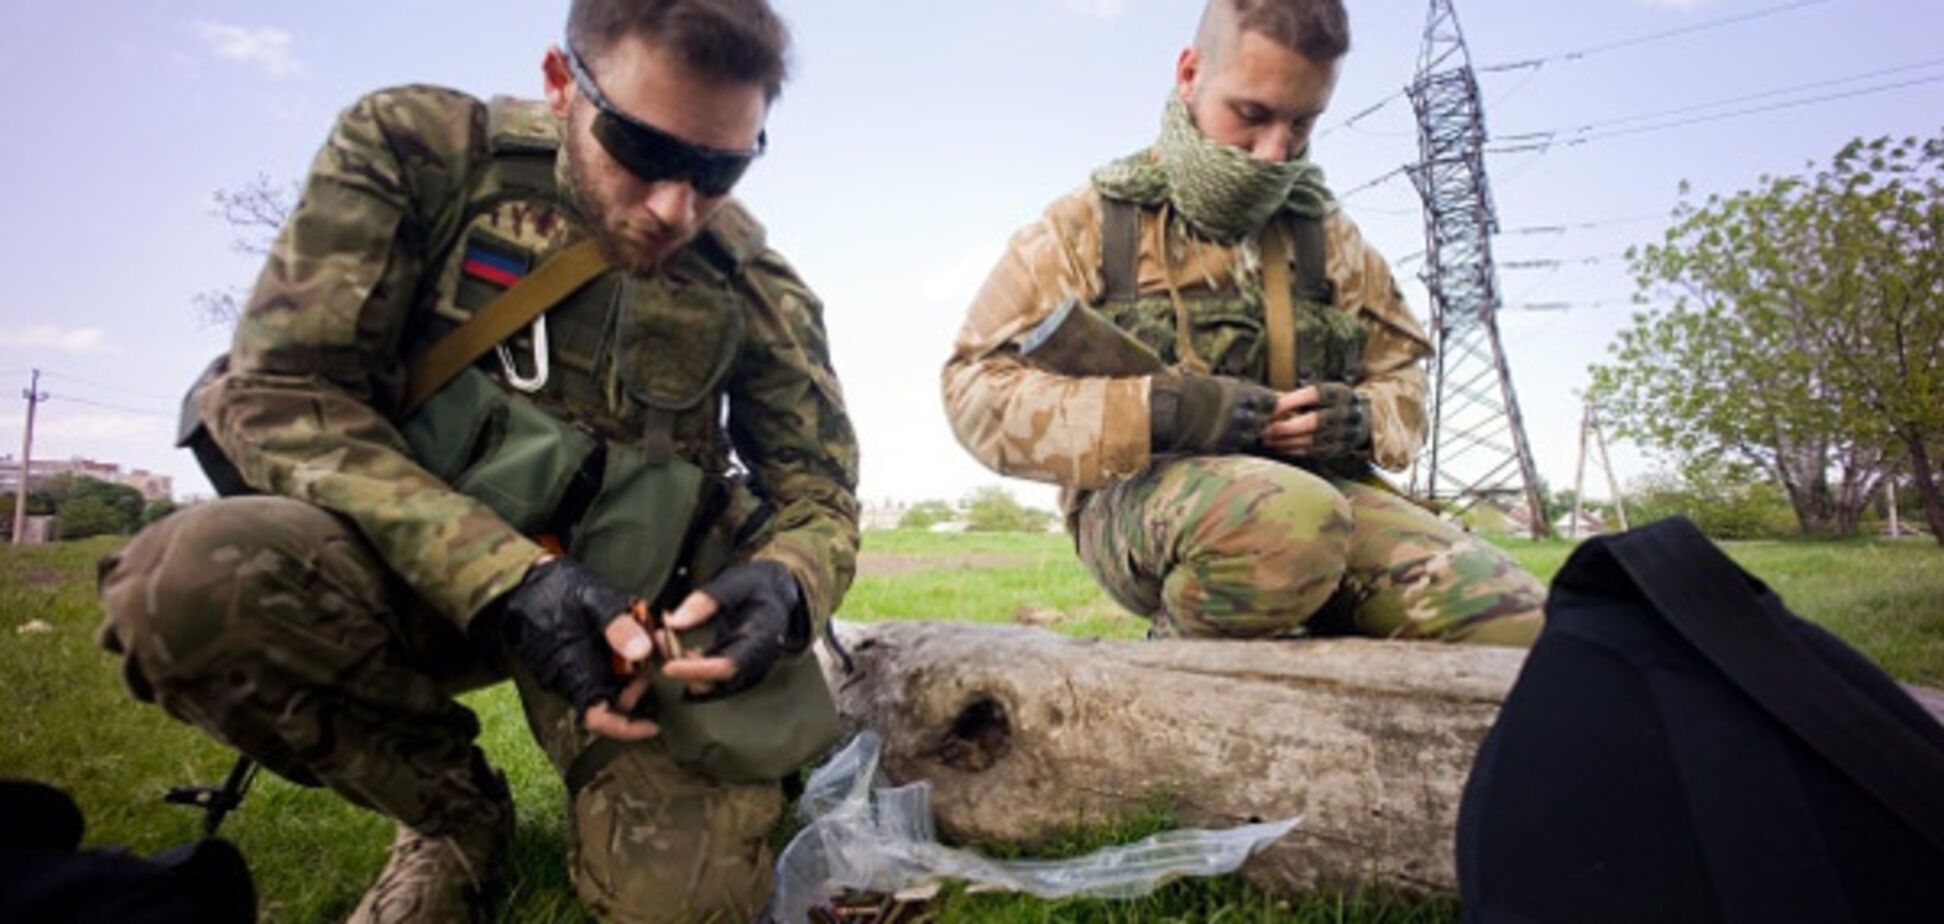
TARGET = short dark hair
x,y
739,41
1318,29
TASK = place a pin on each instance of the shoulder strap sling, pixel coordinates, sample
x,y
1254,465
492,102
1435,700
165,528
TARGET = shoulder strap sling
x,y
1120,247
1312,282
1300,242
1707,598
1278,310
562,275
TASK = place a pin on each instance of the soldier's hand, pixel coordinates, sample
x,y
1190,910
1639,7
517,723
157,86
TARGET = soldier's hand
x,y
1207,413
1327,421
561,621
759,613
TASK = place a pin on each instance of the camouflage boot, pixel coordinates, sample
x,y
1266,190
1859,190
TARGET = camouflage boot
x,y
444,877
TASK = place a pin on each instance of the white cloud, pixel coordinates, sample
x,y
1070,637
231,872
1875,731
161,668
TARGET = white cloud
x,y
268,48
1101,9
56,338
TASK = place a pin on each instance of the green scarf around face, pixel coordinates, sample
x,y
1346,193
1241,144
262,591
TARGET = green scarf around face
x,y
1221,190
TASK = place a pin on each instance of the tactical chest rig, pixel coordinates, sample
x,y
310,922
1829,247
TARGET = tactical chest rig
x,y
600,426
1287,334
602,419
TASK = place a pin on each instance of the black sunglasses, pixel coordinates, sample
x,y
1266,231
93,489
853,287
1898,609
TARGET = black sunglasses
x,y
655,155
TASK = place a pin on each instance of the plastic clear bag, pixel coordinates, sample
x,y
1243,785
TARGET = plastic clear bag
x,y
864,838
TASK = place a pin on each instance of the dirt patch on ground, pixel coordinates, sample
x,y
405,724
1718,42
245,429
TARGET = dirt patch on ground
x,y
887,564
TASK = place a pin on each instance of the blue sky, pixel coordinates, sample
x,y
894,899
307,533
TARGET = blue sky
x,y
914,138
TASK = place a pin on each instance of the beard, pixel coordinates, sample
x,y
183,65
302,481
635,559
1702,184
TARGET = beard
x,y
630,245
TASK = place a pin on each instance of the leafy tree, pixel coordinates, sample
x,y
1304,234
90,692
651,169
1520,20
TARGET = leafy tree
x,y
1727,501
124,503
90,515
992,509
1806,332
925,513
39,504
159,508
55,489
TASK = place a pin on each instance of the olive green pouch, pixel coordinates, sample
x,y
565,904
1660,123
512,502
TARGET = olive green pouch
x,y
498,448
674,349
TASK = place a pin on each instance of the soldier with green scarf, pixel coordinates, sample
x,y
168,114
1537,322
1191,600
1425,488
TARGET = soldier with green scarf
x,y
1201,349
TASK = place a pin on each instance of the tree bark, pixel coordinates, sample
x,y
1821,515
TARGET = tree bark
x,y
1920,470
1026,735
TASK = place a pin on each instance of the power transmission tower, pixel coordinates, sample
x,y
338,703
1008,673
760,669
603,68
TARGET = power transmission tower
x,y
34,397
1478,443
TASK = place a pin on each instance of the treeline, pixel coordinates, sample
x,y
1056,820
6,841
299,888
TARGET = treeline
x,y
83,507
989,509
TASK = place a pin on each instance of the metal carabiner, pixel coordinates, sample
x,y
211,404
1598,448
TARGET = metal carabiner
x,y
538,379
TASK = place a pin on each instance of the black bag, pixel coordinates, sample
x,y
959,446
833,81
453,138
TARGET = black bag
x,y
46,878
1680,747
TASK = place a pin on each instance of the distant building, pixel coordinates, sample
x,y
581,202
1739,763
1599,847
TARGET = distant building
x,y
1591,523
886,515
42,472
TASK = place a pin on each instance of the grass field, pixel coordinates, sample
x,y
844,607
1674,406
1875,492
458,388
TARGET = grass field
x,y
71,723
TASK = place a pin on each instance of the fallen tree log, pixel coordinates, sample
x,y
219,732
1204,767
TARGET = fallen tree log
x,y
1025,735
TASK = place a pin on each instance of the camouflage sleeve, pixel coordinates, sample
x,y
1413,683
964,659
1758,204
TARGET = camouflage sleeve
x,y
787,420
315,357
1394,353
1025,421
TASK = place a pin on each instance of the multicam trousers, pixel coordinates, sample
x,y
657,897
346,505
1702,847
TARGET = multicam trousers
x,y
271,625
1239,546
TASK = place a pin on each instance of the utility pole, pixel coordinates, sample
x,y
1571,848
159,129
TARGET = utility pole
x,y
1579,473
34,397
1478,448
1590,425
1613,483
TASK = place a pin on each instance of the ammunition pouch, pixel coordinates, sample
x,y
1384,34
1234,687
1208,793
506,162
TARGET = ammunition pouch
x,y
653,528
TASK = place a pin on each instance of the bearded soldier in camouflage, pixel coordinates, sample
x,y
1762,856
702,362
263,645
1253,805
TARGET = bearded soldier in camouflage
x,y
1202,350
386,556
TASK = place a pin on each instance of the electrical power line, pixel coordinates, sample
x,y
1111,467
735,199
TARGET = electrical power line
x,y
1582,135
1563,228
1544,307
1362,114
1552,135
1591,50
92,383
145,412
1559,262
1371,183
1535,63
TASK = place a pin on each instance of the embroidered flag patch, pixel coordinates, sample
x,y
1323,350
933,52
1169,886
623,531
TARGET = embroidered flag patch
x,y
490,264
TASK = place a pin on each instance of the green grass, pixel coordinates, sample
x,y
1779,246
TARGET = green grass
x,y
72,722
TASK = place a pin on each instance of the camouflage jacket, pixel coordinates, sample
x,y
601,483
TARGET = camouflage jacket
x,y
1083,433
307,407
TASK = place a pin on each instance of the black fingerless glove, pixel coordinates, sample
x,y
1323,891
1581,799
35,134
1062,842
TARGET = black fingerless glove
x,y
761,617
555,622
1207,413
1342,425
